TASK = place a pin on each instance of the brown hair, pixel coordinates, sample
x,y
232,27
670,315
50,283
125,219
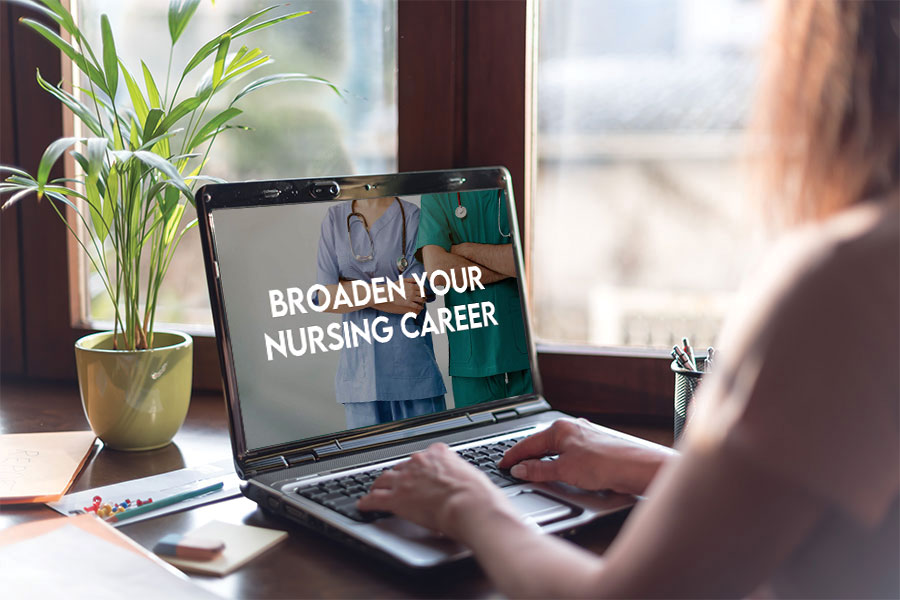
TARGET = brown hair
x,y
829,110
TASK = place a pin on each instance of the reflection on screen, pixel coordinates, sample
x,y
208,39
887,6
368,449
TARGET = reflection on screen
x,y
354,313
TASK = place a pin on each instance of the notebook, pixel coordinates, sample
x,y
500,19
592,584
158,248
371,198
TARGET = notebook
x,y
85,557
40,467
243,543
360,319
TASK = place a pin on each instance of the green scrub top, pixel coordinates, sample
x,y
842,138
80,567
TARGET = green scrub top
x,y
493,349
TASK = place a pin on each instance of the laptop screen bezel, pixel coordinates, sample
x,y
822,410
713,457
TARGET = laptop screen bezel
x,y
226,196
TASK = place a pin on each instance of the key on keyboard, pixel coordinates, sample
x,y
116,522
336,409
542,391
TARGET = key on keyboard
x,y
340,494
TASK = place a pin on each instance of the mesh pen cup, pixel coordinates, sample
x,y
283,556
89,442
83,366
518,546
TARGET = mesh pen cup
x,y
686,383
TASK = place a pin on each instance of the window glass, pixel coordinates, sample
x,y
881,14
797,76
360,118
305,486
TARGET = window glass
x,y
298,129
642,230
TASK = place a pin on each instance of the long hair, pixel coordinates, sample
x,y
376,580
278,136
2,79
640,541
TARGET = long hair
x,y
829,107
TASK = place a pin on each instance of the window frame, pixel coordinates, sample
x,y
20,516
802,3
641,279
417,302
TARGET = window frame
x,y
40,295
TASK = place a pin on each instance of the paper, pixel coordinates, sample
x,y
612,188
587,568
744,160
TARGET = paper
x,y
157,487
243,543
40,467
86,558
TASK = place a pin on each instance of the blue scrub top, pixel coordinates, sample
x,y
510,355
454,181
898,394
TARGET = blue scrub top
x,y
403,368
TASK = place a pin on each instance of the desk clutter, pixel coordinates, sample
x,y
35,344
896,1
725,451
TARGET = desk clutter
x,y
689,370
240,545
40,467
148,497
67,544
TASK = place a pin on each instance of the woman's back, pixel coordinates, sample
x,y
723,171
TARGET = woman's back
x,y
811,394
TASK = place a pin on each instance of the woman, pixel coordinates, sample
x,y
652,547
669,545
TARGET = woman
x,y
787,478
381,381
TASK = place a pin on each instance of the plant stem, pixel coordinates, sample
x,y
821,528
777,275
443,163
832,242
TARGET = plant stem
x,y
168,75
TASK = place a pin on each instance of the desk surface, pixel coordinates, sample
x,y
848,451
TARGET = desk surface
x,y
306,565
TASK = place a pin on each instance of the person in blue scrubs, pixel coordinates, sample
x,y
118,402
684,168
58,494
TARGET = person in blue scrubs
x,y
380,382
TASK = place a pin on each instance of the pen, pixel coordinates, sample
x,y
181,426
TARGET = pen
x,y
689,352
133,512
682,359
677,360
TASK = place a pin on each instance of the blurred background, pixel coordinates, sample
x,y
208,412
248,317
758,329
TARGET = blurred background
x,y
642,230
641,226
298,129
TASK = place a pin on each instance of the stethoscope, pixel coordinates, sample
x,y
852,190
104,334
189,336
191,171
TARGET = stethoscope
x,y
461,211
402,262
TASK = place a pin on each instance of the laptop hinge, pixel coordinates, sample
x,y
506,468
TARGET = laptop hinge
x,y
300,458
532,407
259,465
505,415
328,449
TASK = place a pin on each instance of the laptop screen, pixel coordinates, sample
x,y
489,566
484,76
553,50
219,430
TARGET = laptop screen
x,y
345,314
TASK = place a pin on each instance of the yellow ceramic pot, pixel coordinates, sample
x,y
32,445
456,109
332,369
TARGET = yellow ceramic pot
x,y
135,400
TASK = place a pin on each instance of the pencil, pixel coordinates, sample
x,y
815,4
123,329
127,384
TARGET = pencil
x,y
140,510
690,353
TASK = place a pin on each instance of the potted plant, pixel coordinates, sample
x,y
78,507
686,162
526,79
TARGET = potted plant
x,y
145,153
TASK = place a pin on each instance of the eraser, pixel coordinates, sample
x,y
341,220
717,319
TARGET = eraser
x,y
191,548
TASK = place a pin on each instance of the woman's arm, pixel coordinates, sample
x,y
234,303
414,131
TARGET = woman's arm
x,y
714,525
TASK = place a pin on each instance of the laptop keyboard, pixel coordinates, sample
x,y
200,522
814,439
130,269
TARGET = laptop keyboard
x,y
340,494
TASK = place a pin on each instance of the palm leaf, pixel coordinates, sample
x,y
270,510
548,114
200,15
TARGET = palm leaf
x,y
182,109
110,58
219,64
62,16
234,31
95,202
150,123
74,55
51,155
280,78
212,125
180,13
152,90
159,163
79,109
134,91
271,22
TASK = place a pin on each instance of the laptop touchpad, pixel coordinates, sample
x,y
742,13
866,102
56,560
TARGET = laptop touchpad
x,y
541,508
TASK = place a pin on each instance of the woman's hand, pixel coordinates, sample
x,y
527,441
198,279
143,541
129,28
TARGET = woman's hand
x,y
438,490
588,457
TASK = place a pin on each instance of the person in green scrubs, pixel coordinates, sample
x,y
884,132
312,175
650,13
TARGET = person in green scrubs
x,y
461,230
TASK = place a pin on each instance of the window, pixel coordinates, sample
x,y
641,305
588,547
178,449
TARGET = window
x,y
641,231
299,129
462,97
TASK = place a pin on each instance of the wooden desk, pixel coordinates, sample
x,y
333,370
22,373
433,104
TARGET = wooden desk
x,y
306,565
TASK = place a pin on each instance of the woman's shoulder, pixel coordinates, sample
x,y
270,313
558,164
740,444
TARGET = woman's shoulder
x,y
832,280
852,259
866,236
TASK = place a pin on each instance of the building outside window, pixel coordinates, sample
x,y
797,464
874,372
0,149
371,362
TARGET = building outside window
x,y
642,232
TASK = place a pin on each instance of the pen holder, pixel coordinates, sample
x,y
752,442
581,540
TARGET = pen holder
x,y
686,383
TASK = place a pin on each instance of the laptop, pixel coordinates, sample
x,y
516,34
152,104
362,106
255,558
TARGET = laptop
x,y
361,319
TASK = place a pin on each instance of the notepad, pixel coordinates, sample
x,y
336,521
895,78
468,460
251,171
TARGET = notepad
x,y
243,543
40,467
88,559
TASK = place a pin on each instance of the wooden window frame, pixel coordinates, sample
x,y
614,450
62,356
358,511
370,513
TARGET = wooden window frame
x,y
464,99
